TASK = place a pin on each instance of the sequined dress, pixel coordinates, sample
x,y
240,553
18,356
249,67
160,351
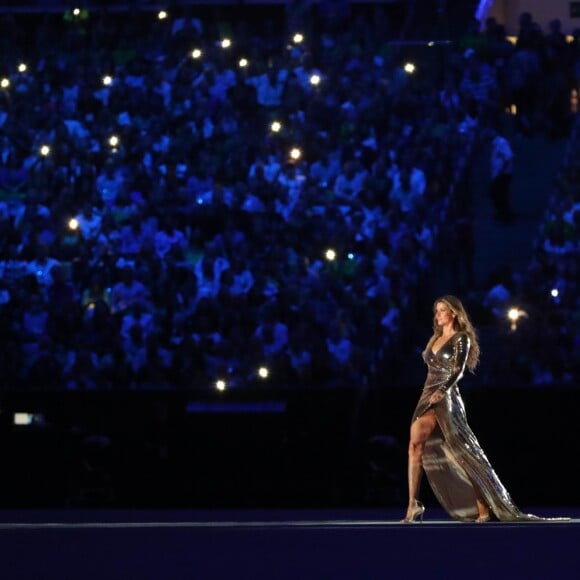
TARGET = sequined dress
x,y
453,457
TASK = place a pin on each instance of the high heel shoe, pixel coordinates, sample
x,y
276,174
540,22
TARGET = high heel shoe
x,y
415,513
482,519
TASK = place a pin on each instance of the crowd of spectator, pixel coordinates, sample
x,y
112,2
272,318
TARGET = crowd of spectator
x,y
186,200
549,288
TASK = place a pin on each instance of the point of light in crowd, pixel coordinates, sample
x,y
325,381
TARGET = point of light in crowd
x,y
555,293
295,153
113,140
196,53
44,150
409,68
263,372
4,83
276,126
330,254
315,80
226,43
76,11
243,62
107,80
350,256
73,224
220,385
430,43
514,314
162,15
298,38
21,67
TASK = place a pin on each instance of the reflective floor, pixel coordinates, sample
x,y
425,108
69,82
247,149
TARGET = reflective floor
x,y
280,544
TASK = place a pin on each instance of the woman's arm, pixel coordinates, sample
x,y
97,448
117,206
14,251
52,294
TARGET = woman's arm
x,y
459,360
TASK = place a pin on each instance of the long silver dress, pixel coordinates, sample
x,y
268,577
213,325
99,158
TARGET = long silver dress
x,y
453,458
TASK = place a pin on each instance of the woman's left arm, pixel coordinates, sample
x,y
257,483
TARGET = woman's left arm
x,y
458,360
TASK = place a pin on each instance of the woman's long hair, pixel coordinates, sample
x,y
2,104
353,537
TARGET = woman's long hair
x,y
461,323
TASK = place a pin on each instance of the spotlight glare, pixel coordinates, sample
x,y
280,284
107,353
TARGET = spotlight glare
x,y
21,67
113,140
196,53
220,385
226,43
409,68
295,153
298,38
162,15
107,80
330,255
315,80
514,314
263,372
44,150
276,126
5,83
73,224
243,63
554,293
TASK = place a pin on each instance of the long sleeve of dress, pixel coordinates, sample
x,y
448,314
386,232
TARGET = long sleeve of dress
x,y
457,362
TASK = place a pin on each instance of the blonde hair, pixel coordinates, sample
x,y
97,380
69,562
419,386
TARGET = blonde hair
x,y
461,323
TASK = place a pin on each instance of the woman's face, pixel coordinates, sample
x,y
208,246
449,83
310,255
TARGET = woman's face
x,y
443,314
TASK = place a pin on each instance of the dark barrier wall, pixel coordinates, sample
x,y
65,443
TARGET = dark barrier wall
x,y
307,448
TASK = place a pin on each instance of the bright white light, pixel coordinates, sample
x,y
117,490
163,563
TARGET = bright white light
x,y
162,15
315,80
295,153
243,62
220,385
107,80
298,38
514,314
73,224
4,83
113,140
409,68
555,292
196,53
276,126
330,254
21,67
263,372
44,150
350,256
23,418
76,11
226,43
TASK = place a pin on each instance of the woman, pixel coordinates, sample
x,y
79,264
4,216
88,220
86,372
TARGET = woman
x,y
441,442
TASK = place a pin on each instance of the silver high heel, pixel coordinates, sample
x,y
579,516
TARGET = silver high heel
x,y
416,513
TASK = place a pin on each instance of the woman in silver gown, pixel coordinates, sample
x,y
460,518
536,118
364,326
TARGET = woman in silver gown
x,y
441,442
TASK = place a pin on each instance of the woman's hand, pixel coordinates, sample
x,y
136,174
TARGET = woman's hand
x,y
436,397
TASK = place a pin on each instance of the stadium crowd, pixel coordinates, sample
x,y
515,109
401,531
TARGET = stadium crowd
x,y
187,200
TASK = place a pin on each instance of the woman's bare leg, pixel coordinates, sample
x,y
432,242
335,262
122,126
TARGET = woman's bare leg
x,y
421,429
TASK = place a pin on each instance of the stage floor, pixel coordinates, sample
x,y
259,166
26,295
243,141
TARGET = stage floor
x,y
281,544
